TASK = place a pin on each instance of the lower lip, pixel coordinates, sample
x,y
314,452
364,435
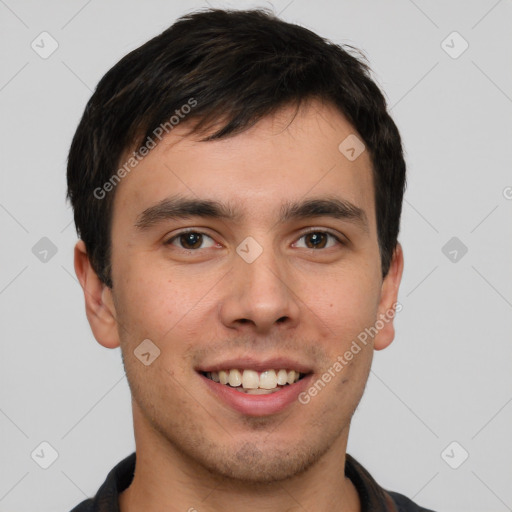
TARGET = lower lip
x,y
258,405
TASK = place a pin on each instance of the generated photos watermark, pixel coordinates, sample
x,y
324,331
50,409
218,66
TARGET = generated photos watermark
x,y
344,359
137,156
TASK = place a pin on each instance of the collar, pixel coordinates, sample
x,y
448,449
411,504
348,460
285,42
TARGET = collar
x,y
372,497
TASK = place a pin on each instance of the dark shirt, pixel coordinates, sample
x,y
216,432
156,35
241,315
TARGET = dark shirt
x,y
373,498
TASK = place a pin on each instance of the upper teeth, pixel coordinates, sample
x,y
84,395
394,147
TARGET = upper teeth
x,y
251,379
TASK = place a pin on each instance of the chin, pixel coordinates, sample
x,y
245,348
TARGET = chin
x,y
253,465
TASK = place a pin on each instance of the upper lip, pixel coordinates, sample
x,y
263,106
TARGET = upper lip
x,y
259,365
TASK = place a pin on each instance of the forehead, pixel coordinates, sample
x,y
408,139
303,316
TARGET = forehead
x,y
284,157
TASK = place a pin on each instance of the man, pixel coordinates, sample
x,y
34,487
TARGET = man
x,y
237,187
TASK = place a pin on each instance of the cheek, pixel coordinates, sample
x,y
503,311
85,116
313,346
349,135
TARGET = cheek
x,y
346,303
156,303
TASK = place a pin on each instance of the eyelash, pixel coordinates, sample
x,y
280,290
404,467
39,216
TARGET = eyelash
x,y
181,233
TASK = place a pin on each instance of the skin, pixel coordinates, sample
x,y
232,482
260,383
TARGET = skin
x,y
207,304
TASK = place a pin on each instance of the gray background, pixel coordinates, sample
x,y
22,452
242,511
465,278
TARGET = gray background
x,y
445,378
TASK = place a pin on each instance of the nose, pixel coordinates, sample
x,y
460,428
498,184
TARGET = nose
x,y
260,295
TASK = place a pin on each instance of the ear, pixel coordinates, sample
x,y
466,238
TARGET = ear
x,y
99,304
388,306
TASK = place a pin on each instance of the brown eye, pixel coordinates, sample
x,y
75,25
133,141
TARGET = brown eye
x,y
319,240
191,240
316,240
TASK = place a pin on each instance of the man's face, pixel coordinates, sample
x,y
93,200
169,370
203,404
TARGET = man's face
x,y
261,291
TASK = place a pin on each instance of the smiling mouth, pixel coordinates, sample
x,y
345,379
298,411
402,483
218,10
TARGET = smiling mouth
x,y
252,382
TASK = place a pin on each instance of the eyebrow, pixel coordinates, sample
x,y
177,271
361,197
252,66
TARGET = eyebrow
x,y
179,207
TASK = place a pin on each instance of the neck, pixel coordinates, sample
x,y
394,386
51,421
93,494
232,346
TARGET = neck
x,y
167,480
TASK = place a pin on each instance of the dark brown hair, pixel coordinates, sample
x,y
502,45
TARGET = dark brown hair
x,y
237,67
